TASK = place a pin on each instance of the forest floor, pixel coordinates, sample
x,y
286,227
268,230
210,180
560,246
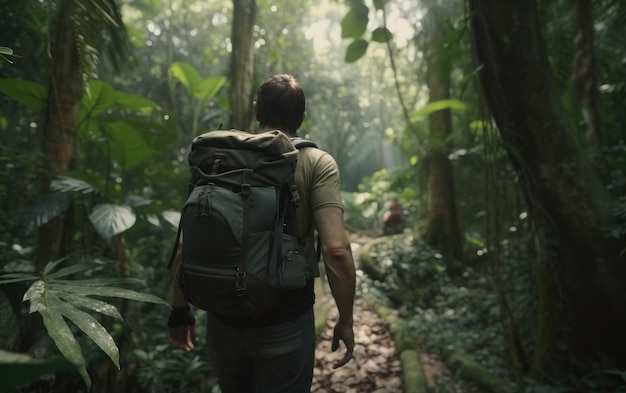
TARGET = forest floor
x,y
376,367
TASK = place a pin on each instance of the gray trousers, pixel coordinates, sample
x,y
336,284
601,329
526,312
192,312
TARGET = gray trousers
x,y
271,359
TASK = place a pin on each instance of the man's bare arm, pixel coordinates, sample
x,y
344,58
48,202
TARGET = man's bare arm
x,y
341,274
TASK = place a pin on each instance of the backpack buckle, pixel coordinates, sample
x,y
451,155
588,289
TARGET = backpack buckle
x,y
240,283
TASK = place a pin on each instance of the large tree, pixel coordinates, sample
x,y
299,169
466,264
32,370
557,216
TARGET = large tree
x,y
80,30
581,269
242,64
442,227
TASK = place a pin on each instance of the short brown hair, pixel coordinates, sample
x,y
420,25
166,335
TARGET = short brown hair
x,y
281,103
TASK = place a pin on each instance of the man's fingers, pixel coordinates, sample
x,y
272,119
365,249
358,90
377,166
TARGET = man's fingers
x,y
182,337
335,344
346,358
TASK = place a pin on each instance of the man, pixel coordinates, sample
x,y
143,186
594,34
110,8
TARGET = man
x,y
275,351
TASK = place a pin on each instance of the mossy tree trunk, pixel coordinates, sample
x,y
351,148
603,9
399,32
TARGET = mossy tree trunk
x,y
64,97
581,275
442,227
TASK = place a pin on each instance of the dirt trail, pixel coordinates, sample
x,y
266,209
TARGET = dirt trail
x,y
375,367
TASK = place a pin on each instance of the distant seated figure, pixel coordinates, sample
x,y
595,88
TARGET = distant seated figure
x,y
393,219
395,208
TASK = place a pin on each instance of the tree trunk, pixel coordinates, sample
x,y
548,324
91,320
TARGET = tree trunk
x,y
442,227
242,65
582,318
64,99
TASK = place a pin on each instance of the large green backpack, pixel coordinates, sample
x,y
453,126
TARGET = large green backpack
x,y
238,223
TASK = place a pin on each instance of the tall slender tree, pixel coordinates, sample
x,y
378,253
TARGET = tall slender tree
x,y
442,227
80,30
242,64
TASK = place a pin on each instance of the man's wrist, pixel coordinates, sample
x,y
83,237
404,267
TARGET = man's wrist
x,y
181,316
181,308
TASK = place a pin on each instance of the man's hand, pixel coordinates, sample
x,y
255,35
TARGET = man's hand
x,y
181,328
343,332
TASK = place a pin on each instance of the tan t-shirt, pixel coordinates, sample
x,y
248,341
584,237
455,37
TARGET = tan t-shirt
x,y
317,180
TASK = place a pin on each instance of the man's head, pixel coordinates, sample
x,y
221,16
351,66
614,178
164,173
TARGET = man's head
x,y
280,104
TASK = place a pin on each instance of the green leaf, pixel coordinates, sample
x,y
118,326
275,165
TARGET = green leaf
x,y
136,201
110,220
135,102
66,271
128,146
45,209
91,304
68,184
65,341
202,89
380,4
210,87
31,94
186,74
100,97
36,294
356,50
381,34
89,325
101,281
110,292
16,277
20,369
173,217
438,106
51,265
354,24
6,51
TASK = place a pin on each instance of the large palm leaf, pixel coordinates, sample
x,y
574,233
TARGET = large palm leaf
x,y
100,32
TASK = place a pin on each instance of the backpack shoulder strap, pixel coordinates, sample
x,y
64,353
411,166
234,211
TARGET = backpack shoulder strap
x,y
301,143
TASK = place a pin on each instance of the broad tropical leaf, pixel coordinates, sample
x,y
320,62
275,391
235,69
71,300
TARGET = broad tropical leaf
x,y
62,336
68,184
210,87
134,102
108,292
110,220
100,97
16,277
438,106
92,304
31,94
128,146
173,217
44,210
57,299
136,201
88,324
186,74
202,89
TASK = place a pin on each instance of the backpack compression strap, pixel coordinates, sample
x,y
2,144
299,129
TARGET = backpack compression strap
x,y
240,283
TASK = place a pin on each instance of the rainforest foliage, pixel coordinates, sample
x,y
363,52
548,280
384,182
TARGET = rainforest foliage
x,y
498,126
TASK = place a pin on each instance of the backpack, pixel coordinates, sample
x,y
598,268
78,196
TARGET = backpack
x,y
239,224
